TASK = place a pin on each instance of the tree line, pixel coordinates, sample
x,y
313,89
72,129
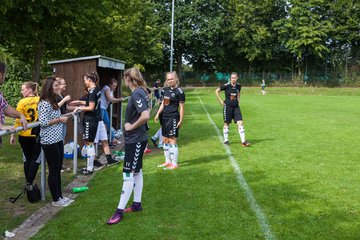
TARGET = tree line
x,y
296,36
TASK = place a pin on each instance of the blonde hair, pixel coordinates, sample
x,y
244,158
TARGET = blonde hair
x,y
33,86
135,77
175,76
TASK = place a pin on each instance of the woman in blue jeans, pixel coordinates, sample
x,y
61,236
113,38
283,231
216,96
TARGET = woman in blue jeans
x,y
107,96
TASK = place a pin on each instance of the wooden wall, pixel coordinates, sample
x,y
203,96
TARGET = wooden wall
x,y
73,73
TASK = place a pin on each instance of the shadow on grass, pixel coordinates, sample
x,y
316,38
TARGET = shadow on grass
x,y
203,160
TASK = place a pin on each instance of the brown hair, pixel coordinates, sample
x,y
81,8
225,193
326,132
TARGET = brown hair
x,y
47,93
2,67
135,77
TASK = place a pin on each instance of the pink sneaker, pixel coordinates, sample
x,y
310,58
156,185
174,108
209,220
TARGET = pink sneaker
x,y
147,150
171,167
164,165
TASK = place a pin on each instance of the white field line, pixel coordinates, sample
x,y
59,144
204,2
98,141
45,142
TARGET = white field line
x,y
248,193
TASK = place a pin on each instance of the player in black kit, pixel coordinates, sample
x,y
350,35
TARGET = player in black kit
x,y
231,108
91,108
136,117
172,109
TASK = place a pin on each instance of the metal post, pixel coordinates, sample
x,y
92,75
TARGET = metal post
x,y
76,143
43,171
111,117
172,36
121,115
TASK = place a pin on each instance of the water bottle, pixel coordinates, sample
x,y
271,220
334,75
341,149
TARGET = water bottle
x,y
79,189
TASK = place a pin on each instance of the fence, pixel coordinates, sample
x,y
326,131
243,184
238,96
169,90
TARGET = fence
x,y
75,117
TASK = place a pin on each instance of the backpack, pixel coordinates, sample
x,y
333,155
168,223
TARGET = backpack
x,y
32,192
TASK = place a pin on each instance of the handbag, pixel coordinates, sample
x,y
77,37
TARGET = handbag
x,y
32,192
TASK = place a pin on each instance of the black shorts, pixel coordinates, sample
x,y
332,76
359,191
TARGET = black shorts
x,y
169,124
90,127
133,157
231,112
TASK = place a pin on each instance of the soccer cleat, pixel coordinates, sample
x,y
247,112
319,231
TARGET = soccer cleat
x,y
116,218
171,167
86,172
245,144
135,207
226,143
160,145
148,150
164,165
153,141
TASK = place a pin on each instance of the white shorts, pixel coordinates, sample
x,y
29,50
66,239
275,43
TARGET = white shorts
x,y
101,132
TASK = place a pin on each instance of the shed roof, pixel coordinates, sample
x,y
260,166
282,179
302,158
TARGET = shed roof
x,y
103,61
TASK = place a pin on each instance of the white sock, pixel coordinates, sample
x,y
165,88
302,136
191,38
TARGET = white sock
x,y
127,188
242,133
90,163
90,157
174,153
157,134
226,134
138,186
167,153
160,138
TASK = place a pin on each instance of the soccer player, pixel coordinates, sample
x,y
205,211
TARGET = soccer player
x,y
263,87
231,108
172,109
101,135
91,108
136,117
30,146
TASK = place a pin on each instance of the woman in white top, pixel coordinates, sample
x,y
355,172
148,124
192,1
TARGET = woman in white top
x,y
107,96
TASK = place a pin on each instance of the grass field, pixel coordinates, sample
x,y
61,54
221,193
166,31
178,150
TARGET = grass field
x,y
300,176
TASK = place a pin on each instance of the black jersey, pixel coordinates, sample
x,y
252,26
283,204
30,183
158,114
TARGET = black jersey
x,y
171,100
138,102
94,95
231,93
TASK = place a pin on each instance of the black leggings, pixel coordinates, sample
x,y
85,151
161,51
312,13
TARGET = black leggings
x,y
54,154
32,160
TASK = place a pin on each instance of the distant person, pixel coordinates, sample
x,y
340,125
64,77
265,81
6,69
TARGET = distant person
x,y
156,90
172,110
91,109
263,87
136,117
107,96
5,108
51,138
231,108
31,147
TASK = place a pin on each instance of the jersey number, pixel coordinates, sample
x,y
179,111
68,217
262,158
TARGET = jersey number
x,y
31,112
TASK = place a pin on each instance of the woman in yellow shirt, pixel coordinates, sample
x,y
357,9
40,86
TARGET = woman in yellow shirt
x,y
28,140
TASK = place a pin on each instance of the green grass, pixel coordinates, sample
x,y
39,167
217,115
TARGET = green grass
x,y
12,181
302,169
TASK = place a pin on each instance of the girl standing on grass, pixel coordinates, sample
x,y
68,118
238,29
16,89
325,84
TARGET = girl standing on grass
x,y
91,108
28,141
136,117
51,138
172,109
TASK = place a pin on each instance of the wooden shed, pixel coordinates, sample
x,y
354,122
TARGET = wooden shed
x,y
73,70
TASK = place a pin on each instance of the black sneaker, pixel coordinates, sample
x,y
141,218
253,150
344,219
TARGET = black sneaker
x,y
226,143
153,141
86,172
97,163
112,162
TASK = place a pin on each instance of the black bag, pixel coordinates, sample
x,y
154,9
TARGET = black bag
x,y
32,192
